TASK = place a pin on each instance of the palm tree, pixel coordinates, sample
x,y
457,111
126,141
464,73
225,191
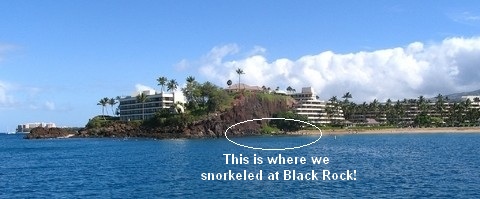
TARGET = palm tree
x,y
422,104
162,82
172,85
333,99
374,109
289,89
239,72
112,102
346,97
106,99
399,111
346,106
103,102
117,111
332,109
229,82
190,79
142,98
440,105
188,91
388,110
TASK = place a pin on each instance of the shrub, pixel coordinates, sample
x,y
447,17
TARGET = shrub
x,y
266,129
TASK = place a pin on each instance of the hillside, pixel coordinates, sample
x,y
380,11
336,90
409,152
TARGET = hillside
x,y
213,125
458,96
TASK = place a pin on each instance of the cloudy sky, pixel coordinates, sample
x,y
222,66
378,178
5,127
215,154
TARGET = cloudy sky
x,y
58,58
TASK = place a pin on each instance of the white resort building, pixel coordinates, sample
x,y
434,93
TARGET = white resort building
x,y
131,109
29,126
314,109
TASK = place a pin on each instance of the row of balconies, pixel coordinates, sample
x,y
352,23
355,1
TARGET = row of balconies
x,y
147,105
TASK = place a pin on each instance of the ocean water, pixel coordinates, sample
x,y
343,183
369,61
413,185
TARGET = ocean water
x,y
384,166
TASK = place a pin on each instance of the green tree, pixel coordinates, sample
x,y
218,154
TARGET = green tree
x,y
288,125
190,79
389,111
239,71
112,102
375,109
162,81
440,107
189,92
103,102
347,106
422,120
333,110
142,98
347,96
172,85
289,89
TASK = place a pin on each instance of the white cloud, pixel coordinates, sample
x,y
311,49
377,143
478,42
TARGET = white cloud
x,y
466,17
182,65
6,100
5,48
140,88
396,73
49,105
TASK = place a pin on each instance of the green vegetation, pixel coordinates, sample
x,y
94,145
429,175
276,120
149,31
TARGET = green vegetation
x,y
239,71
267,97
167,118
288,125
266,129
142,98
205,98
202,99
420,112
108,101
101,121
162,81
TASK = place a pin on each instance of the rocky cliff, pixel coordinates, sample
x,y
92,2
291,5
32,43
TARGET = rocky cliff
x,y
42,133
214,125
244,109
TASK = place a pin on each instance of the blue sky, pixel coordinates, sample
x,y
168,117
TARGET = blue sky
x,y
58,58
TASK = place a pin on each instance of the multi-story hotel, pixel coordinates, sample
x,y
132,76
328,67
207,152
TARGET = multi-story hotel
x,y
315,110
132,109
29,126
408,110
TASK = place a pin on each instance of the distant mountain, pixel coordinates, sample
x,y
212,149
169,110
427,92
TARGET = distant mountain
x,y
458,96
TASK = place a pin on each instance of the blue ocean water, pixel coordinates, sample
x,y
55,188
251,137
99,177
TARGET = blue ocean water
x,y
386,166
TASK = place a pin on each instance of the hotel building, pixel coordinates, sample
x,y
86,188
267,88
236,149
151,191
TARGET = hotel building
x,y
29,126
315,110
131,109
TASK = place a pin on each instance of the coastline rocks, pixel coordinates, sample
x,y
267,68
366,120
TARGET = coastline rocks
x,y
42,133
212,126
246,109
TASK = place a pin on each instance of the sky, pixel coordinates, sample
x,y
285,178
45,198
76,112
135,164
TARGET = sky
x,y
59,58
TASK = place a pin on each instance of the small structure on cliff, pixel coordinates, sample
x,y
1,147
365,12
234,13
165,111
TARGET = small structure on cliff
x,y
244,87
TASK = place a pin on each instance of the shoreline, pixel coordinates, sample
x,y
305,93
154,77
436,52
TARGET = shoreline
x,y
354,131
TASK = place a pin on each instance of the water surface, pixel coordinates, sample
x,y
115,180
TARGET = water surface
x,y
393,165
